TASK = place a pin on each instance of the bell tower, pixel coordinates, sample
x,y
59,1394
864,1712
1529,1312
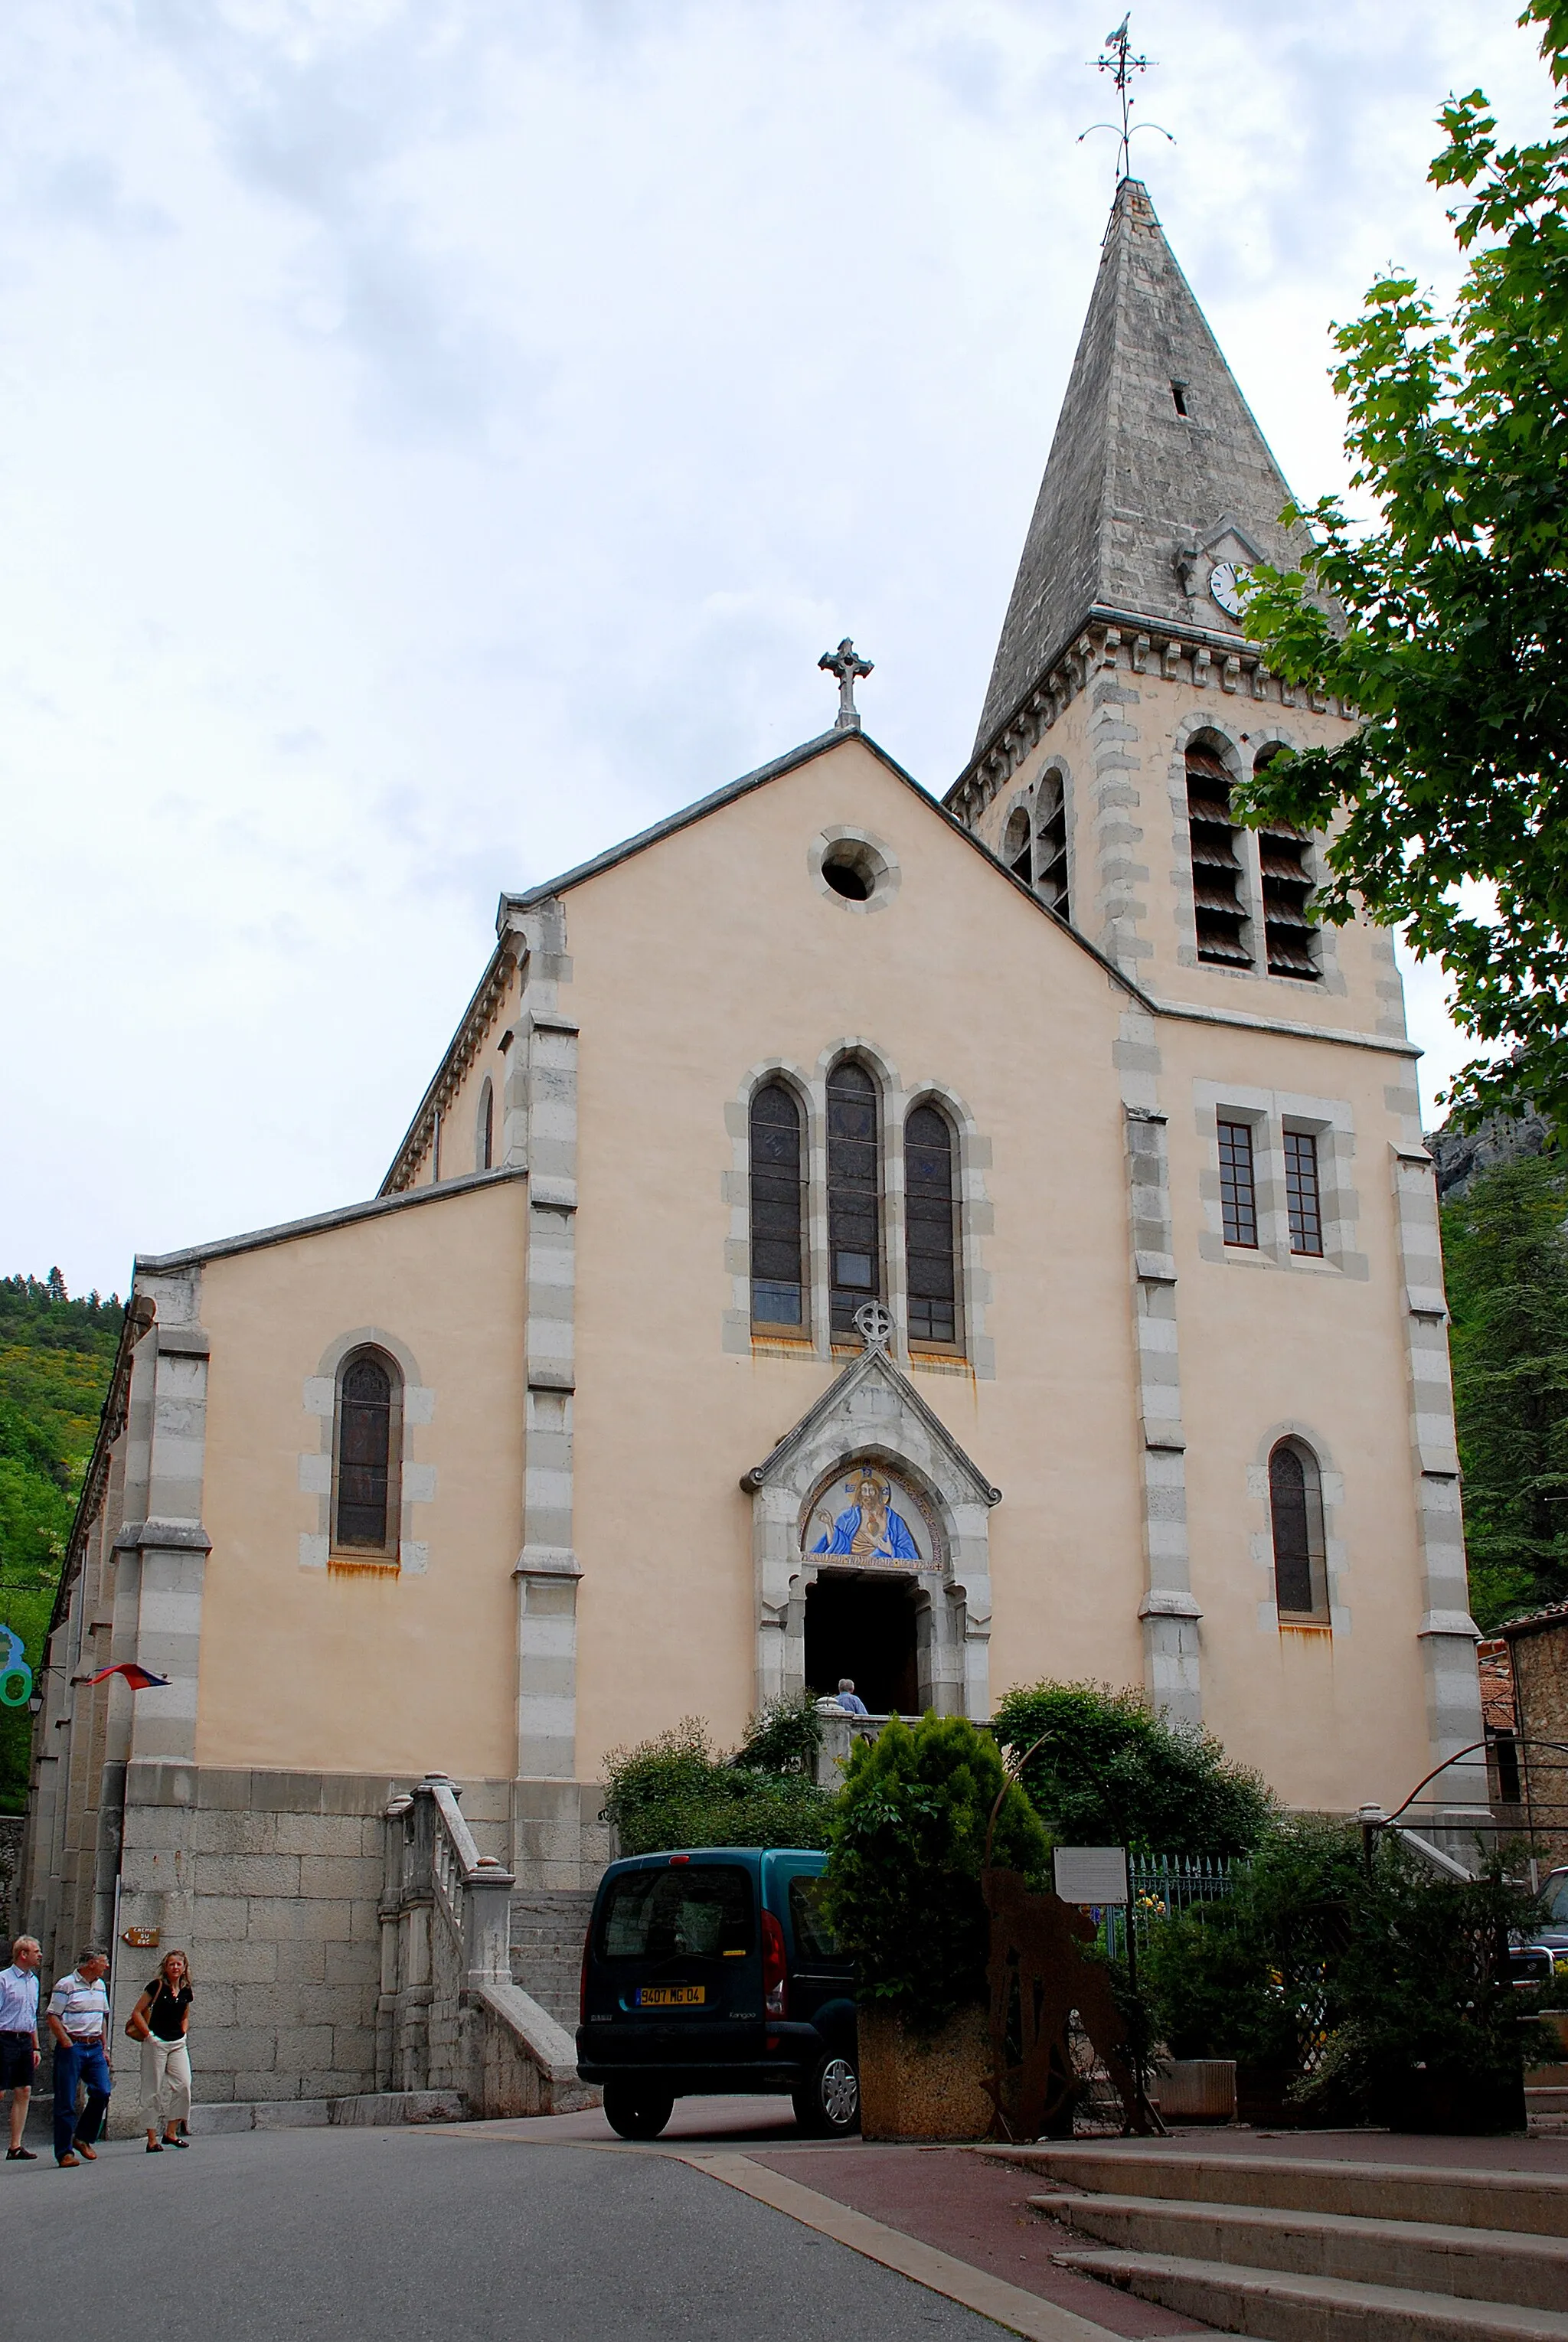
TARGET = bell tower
x,y
1124,699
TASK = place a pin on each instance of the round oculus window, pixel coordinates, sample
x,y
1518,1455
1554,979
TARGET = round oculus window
x,y
848,876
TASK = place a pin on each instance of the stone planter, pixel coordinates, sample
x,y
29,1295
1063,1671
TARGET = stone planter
x,y
1197,2089
923,2085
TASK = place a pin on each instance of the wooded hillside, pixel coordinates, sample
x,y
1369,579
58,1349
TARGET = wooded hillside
x,y
57,1356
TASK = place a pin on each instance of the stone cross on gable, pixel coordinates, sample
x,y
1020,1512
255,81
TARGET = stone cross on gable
x,y
846,664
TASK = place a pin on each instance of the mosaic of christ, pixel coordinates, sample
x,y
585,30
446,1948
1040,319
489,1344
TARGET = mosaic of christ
x,y
869,1529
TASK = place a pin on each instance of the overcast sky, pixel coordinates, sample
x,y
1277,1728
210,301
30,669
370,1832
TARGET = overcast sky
x,y
438,439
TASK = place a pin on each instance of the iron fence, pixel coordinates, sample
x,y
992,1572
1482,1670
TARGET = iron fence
x,y
1161,1885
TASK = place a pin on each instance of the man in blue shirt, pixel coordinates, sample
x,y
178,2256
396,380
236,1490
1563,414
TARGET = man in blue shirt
x,y
847,1700
19,2038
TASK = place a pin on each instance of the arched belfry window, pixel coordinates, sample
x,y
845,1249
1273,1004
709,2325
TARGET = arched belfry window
x,y
1050,846
1296,1513
1015,845
930,1218
777,1166
485,1130
1289,930
366,1455
854,1197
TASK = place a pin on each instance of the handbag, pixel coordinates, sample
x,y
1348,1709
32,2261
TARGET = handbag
x,y
136,2026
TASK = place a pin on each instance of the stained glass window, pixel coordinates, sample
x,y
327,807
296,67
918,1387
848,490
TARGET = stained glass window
x,y
364,1453
777,1276
1296,1506
928,1208
853,1185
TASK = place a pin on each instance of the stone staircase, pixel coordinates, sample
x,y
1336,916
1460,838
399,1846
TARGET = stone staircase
x,y
1294,2249
1546,2101
548,1925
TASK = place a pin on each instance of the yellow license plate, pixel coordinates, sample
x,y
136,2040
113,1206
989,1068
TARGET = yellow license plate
x,y
672,1996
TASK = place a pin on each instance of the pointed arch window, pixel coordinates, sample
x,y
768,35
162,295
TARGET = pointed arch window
x,y
1295,1514
485,1129
931,1219
367,1454
777,1167
853,1192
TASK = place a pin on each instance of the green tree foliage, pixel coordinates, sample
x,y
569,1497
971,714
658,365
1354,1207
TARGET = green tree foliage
x,y
57,1356
908,1843
1454,609
1506,1248
676,1790
1114,1773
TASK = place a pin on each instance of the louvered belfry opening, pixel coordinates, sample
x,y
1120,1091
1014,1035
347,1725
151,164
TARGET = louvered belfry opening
x,y
1217,897
1015,850
1050,846
1288,932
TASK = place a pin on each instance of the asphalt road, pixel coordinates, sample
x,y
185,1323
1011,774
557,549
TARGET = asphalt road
x,y
412,2237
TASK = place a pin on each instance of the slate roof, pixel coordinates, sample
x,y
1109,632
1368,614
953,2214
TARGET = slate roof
x,y
1131,481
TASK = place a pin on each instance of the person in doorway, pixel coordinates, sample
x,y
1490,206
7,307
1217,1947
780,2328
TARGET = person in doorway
x,y
849,1700
79,2024
159,2021
19,2038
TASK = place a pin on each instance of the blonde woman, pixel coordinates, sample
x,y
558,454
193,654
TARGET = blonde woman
x,y
159,2021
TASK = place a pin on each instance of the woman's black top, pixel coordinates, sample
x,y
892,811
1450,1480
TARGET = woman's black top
x,y
167,2017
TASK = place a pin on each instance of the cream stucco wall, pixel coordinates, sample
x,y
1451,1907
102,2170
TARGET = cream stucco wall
x,y
356,1670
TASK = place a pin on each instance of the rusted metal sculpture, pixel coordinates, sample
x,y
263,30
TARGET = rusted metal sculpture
x,y
1039,1978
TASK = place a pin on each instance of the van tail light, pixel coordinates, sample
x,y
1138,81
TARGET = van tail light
x,y
775,1970
583,1981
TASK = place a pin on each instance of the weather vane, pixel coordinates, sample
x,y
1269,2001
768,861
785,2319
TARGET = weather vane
x,y
1117,61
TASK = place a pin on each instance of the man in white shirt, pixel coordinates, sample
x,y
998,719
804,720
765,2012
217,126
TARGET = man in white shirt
x,y
79,2022
19,2038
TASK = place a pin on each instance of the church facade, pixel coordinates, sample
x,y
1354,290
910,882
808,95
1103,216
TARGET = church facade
x,y
948,1243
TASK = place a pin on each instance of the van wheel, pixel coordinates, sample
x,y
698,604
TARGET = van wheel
x,y
634,2111
827,2106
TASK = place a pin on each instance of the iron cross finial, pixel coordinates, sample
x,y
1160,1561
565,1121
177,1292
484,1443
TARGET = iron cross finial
x,y
1118,60
848,665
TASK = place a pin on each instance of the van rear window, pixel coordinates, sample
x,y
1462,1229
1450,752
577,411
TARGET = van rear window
x,y
704,1908
814,1939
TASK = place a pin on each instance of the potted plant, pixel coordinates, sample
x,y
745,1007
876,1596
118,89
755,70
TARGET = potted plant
x,y
907,1843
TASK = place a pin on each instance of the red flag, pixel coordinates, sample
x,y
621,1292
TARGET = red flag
x,y
140,1679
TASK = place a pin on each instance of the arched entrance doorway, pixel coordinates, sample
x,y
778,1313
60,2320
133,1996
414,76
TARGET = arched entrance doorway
x,y
864,1627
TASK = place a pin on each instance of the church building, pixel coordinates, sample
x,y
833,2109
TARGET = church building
x,y
948,1240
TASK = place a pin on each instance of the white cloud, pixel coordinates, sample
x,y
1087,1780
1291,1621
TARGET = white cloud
x,y
437,438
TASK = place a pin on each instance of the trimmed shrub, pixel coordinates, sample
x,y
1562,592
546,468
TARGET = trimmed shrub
x,y
676,1790
908,1842
1114,1773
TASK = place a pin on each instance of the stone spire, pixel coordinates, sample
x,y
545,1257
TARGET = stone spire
x,y
1156,457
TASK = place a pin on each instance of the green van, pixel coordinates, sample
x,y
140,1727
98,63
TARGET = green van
x,y
713,1973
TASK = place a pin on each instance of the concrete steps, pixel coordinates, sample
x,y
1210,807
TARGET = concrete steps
x,y
1303,2249
1283,2308
1425,2256
548,1927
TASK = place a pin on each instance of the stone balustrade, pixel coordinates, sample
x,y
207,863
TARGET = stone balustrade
x,y
449,2016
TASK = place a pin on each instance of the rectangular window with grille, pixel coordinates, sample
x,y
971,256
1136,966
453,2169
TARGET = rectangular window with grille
x,y
1301,1193
1238,1191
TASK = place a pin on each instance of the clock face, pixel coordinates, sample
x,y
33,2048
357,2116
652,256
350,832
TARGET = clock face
x,y
1228,585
